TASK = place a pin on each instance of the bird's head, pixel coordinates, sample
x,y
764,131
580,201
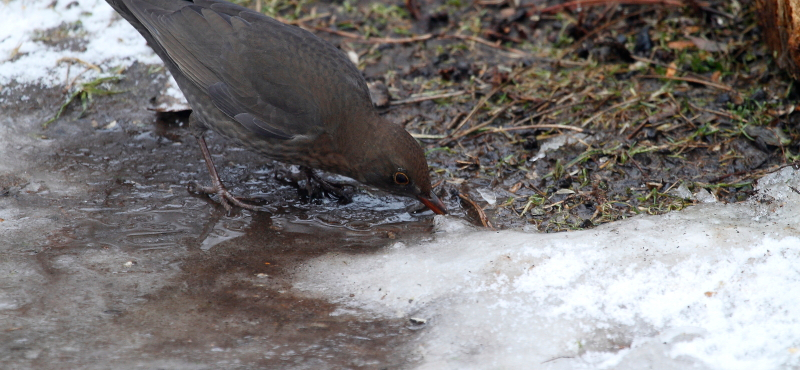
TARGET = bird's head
x,y
397,164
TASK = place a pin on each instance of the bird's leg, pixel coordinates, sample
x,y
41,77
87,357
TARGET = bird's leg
x,y
315,186
225,197
336,190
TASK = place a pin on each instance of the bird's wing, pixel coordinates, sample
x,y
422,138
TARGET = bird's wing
x,y
256,70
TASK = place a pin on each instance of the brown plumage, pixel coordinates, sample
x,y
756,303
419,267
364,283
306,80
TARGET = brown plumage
x,y
280,91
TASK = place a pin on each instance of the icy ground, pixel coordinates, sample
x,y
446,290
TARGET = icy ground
x,y
713,287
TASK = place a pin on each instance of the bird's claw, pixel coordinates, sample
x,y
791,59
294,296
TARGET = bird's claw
x,y
225,197
315,186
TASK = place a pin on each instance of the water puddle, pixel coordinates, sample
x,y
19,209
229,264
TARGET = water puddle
x,y
137,272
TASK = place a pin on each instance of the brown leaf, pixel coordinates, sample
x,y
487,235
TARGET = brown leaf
x,y
681,44
691,29
708,45
671,69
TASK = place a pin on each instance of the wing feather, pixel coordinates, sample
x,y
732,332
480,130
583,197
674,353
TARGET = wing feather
x,y
254,69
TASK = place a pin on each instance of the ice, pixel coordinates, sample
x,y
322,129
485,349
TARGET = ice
x,y
712,287
488,195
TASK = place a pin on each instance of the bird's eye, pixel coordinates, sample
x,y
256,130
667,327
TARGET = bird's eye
x,y
400,178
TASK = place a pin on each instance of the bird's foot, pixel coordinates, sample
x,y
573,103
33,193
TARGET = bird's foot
x,y
225,197
315,186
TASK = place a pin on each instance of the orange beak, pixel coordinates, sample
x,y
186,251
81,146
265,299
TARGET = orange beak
x,y
434,204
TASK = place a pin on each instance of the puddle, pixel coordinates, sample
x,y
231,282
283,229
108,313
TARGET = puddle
x,y
129,270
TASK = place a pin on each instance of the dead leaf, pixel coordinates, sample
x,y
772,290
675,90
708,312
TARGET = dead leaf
x,y
672,69
691,29
681,44
708,45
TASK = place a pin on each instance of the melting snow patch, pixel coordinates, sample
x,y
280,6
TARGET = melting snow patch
x,y
714,287
101,38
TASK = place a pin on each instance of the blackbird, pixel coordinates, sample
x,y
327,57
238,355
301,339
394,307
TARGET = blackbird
x,y
278,90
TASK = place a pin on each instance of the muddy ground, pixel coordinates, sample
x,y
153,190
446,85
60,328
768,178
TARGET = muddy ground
x,y
549,118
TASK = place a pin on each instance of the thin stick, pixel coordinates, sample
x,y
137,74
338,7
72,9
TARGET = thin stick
x,y
693,80
79,61
428,136
543,125
482,215
304,19
472,112
337,32
375,40
723,114
482,124
560,7
418,99
455,119
545,112
604,111
495,45
390,40
637,129
484,100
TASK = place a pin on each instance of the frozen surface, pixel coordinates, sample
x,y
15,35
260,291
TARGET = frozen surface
x,y
713,287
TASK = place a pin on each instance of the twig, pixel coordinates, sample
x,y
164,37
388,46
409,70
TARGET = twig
x,y
482,124
495,45
481,214
428,136
455,119
390,40
375,40
418,99
693,80
637,129
754,173
719,113
299,21
669,112
471,113
678,109
79,61
75,79
543,125
604,111
483,101
338,32
545,112
560,7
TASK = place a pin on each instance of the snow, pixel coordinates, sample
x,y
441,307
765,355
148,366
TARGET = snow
x,y
111,41
716,286
713,287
